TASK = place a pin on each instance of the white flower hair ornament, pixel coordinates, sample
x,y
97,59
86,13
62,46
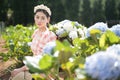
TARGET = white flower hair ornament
x,y
43,7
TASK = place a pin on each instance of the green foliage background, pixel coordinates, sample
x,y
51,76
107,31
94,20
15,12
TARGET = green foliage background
x,y
87,12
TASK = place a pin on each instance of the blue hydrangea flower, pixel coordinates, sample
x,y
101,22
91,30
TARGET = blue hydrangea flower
x,y
114,49
103,66
49,47
87,33
116,29
100,26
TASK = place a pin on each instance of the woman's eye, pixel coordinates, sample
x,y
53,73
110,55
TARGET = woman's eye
x,y
42,18
37,17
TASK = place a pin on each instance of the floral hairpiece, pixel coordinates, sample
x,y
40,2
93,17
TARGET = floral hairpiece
x,y
42,6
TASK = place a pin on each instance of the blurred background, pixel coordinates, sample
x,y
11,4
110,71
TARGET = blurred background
x,y
86,12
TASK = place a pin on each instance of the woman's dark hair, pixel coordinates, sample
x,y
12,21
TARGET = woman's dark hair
x,y
42,10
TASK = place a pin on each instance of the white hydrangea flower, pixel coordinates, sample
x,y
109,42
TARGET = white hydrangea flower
x,y
59,26
68,27
59,32
82,32
73,34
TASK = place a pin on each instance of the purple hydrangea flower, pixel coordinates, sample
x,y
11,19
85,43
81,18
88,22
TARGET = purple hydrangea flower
x,y
116,29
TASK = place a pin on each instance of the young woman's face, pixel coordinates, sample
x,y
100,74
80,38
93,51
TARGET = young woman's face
x,y
41,19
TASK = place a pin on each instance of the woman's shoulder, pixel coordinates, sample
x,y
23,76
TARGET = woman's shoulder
x,y
52,33
49,32
36,30
34,33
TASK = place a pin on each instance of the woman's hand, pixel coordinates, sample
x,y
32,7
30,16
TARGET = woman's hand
x,y
16,71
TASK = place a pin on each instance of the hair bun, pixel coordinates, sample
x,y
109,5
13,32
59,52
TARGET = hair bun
x,y
42,6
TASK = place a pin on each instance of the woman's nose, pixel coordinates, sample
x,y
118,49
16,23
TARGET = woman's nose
x,y
40,20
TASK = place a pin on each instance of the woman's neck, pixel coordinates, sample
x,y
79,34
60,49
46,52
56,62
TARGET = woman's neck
x,y
43,29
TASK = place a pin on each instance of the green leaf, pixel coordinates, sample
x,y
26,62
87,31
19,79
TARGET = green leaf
x,y
66,43
95,31
64,56
102,41
112,37
79,60
63,34
12,46
95,34
46,62
37,77
33,69
59,46
77,42
67,65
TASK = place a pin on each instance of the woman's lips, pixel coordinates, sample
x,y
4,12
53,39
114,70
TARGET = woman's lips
x,y
39,24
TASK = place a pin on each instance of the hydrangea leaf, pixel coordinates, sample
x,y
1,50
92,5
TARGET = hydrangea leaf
x,y
102,41
112,37
95,31
46,62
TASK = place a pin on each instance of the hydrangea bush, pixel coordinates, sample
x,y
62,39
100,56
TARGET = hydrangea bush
x,y
83,53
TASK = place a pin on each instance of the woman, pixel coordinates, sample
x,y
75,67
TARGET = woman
x,y
41,35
